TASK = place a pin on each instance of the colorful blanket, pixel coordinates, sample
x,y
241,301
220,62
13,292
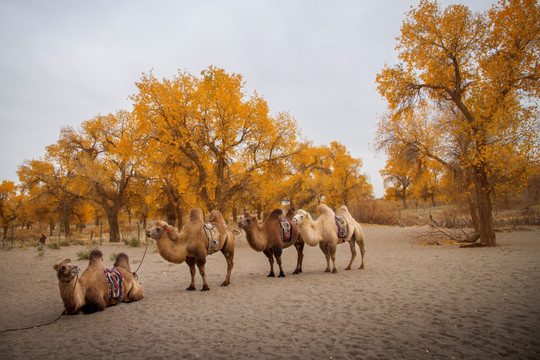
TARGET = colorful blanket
x,y
212,235
342,226
286,229
116,284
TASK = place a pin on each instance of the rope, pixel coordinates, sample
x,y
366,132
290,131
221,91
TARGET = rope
x,y
135,272
47,323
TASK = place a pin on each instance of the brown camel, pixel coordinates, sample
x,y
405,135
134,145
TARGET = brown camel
x,y
327,235
195,242
91,291
271,239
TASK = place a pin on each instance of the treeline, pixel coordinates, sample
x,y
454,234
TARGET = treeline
x,y
188,141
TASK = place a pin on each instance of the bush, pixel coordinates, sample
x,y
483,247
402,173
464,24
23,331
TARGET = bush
x,y
85,253
53,245
375,212
133,242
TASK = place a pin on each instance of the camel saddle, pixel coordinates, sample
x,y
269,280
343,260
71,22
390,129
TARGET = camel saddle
x,y
212,235
116,284
342,226
286,229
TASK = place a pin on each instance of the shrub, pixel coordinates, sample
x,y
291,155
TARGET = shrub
x,y
85,253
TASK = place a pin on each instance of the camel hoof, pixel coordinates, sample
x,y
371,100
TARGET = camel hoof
x,y
361,267
271,275
190,288
297,272
281,275
205,288
225,284
348,268
327,270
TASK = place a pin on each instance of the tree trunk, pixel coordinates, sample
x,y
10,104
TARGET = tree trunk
x,y
485,210
65,222
114,228
5,227
179,217
51,227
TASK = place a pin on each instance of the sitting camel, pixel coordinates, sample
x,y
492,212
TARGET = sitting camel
x,y
94,290
327,234
195,242
271,237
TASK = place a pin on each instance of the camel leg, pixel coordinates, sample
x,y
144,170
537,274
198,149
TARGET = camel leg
x,y
135,293
353,253
277,254
332,247
269,255
201,261
300,251
360,243
191,263
93,301
324,248
229,255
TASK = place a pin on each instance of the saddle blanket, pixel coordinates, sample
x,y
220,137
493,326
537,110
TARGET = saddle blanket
x,y
286,229
212,235
342,226
116,284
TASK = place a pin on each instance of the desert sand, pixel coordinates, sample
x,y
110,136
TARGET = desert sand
x,y
411,302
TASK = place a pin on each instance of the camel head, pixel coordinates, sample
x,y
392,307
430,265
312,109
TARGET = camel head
x,y
65,270
301,217
160,229
246,222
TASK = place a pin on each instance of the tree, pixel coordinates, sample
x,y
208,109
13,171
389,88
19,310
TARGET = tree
x,y
57,192
8,205
107,152
473,81
344,182
222,137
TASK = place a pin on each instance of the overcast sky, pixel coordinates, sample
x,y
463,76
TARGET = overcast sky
x,y
64,62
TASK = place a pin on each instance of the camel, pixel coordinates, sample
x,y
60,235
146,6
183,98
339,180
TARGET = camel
x,y
325,233
91,292
195,242
269,238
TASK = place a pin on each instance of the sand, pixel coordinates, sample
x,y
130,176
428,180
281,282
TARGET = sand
x,y
411,302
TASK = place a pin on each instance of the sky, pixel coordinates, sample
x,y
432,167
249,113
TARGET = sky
x,y
64,62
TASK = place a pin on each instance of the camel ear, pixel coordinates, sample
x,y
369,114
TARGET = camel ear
x,y
55,267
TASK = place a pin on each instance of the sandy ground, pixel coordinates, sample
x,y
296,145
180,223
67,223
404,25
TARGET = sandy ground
x,y
411,302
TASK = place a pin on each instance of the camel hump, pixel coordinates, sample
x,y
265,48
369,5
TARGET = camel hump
x,y
276,213
196,214
290,213
324,209
216,217
95,255
343,210
122,260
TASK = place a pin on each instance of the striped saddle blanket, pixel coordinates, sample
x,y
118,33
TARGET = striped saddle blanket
x,y
342,226
116,284
212,235
286,229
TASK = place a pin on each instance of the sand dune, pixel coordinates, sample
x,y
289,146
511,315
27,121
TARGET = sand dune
x,y
411,302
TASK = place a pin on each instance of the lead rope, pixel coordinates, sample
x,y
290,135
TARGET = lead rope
x,y
135,272
44,324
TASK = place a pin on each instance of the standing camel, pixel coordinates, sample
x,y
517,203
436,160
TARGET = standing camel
x,y
195,242
326,233
271,238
